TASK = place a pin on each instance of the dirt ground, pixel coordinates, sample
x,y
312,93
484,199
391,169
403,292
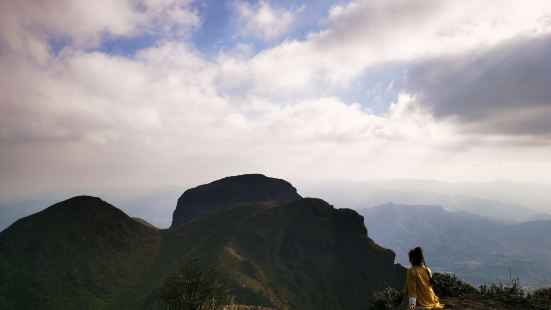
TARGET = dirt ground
x,y
488,303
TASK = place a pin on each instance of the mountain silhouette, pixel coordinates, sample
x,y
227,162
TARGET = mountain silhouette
x,y
80,249
286,253
248,188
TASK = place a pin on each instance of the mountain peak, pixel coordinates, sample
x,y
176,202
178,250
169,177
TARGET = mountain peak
x,y
91,222
210,198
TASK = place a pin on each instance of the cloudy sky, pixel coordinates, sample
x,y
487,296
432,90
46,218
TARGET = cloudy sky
x,y
139,93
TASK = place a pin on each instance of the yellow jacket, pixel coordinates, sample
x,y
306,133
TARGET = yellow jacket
x,y
418,286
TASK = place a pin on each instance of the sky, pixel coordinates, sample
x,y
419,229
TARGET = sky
x,y
140,93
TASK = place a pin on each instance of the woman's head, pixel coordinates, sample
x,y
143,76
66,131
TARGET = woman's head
x,y
416,256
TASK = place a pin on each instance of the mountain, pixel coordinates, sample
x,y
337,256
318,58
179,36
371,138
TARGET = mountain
x,y
84,253
507,202
12,211
79,249
155,204
475,248
303,254
248,188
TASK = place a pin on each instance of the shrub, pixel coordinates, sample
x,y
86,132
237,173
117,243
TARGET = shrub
x,y
448,285
540,296
194,287
385,299
513,289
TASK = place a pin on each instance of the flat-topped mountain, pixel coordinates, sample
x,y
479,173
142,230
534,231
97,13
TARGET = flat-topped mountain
x,y
230,191
303,254
285,253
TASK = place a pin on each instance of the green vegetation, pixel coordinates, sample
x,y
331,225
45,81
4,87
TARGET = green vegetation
x,y
512,289
79,254
388,298
85,254
195,287
452,289
449,285
540,297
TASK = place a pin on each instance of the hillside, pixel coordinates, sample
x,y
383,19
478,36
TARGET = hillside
x,y
301,254
475,248
79,249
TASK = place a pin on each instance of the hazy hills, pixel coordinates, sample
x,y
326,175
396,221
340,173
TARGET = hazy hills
x,y
475,248
502,200
84,253
505,201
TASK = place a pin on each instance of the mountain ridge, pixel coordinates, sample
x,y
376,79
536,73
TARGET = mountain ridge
x,y
302,253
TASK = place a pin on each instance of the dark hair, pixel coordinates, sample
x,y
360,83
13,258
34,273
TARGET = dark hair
x,y
416,256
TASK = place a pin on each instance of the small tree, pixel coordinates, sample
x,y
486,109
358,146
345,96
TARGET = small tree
x,y
194,287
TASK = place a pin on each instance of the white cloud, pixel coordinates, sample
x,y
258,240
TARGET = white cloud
x,y
362,34
149,117
171,115
265,21
26,27
330,120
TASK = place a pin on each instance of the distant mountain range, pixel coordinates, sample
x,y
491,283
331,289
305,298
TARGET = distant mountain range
x,y
477,249
505,201
279,249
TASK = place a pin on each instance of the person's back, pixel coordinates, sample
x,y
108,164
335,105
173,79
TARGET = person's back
x,y
418,288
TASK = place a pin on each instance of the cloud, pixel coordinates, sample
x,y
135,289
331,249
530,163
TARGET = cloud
x,y
360,34
160,117
265,21
502,90
330,120
169,114
28,27
98,97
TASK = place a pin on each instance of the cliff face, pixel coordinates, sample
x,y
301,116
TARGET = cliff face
x,y
230,191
